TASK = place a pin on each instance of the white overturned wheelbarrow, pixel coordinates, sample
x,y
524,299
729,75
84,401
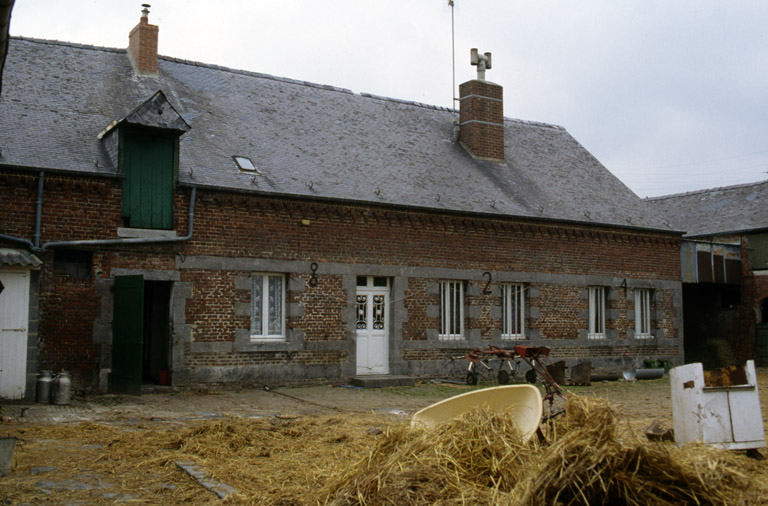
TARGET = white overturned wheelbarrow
x,y
521,402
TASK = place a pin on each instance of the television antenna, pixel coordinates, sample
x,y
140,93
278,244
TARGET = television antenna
x,y
453,75
453,55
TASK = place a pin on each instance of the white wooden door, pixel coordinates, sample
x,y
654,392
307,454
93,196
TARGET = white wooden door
x,y
14,317
372,328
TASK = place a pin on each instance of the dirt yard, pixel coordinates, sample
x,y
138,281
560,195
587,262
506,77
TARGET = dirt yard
x,y
277,446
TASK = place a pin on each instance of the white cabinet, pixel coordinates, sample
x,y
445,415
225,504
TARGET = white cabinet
x,y
723,409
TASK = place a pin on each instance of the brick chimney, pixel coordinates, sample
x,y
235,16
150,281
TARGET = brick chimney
x,y
142,46
481,114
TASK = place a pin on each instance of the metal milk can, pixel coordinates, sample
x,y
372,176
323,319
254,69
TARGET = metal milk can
x,y
62,388
43,387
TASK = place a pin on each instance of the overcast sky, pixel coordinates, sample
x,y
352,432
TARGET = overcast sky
x,y
670,95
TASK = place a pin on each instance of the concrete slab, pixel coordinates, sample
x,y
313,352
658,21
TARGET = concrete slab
x,y
222,490
380,381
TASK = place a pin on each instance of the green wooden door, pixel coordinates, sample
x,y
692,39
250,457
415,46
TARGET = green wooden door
x,y
148,162
127,335
761,345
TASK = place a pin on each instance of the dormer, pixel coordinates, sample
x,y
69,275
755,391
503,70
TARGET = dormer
x,y
144,146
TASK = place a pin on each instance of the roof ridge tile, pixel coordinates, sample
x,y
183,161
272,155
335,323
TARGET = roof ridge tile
x,y
287,80
706,190
68,44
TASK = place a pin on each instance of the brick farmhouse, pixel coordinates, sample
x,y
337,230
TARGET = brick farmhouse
x,y
171,221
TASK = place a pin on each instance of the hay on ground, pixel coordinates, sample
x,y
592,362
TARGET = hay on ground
x,y
470,458
590,459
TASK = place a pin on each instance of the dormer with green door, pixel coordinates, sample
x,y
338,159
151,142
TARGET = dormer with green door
x,y
144,146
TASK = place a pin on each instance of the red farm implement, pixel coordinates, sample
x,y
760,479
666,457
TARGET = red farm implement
x,y
537,357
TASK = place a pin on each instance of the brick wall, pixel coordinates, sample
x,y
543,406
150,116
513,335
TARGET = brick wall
x,y
561,311
554,260
211,309
482,119
68,309
416,302
240,225
754,292
142,44
483,305
323,306
73,207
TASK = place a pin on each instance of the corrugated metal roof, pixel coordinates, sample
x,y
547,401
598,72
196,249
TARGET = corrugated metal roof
x,y
18,258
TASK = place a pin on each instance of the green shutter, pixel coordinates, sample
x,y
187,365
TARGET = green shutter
x,y
127,335
148,163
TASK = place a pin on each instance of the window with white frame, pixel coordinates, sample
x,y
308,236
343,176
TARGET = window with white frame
x,y
451,324
513,311
268,307
643,313
596,312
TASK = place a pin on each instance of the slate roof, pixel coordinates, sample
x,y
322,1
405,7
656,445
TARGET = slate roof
x,y
717,211
306,140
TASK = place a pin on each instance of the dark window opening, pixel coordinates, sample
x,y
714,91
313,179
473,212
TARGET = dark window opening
x,y
730,297
763,316
76,263
758,251
373,281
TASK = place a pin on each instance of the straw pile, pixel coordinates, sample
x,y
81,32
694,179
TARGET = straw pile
x,y
413,466
275,460
591,459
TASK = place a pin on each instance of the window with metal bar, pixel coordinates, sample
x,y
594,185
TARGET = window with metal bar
x,y
451,320
596,312
513,311
643,313
268,307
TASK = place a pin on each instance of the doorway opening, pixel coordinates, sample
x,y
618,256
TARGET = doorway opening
x,y
141,344
761,335
156,349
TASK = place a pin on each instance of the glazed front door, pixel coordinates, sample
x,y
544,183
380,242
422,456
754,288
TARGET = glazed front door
x,y
372,305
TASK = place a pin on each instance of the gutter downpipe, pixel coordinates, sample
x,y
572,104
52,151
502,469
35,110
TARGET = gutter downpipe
x,y
25,242
33,246
134,240
38,208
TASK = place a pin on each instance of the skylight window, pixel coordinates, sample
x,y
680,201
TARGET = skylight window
x,y
244,164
